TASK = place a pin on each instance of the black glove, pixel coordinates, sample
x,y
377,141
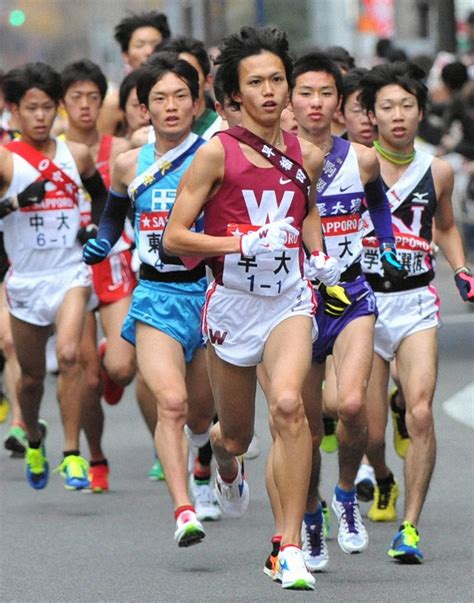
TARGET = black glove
x,y
392,268
465,284
34,193
336,300
87,232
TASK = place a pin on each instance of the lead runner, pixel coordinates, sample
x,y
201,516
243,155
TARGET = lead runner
x,y
252,183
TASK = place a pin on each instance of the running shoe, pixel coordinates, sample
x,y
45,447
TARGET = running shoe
x,y
292,569
271,567
189,529
75,470
254,448
401,439
383,507
329,442
352,535
326,518
36,463
4,407
16,441
233,498
404,547
113,392
365,482
315,550
156,473
99,478
205,503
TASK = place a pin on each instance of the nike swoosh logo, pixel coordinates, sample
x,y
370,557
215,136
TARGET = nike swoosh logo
x,y
343,190
284,180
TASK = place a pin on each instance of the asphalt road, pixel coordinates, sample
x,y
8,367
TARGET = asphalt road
x,y
59,546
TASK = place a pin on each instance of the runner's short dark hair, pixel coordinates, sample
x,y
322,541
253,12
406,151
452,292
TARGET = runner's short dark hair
x,y
403,73
248,42
124,30
351,83
153,71
84,71
18,81
191,46
318,61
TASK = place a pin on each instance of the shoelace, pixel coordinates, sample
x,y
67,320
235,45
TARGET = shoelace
x,y
384,497
314,539
76,466
36,461
350,516
410,536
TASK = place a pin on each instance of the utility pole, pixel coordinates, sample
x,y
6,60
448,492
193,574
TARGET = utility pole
x,y
446,25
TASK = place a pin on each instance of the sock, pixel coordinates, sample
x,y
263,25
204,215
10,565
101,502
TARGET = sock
x,y
96,463
179,510
35,445
197,439
312,519
385,482
205,454
276,541
345,495
70,453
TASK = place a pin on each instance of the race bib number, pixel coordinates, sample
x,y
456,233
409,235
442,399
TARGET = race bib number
x,y
150,231
267,274
413,253
51,224
342,238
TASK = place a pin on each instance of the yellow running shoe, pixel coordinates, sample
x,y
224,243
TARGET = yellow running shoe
x,y
383,507
75,470
329,441
401,439
4,407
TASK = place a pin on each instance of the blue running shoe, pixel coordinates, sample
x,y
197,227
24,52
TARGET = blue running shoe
x,y
36,463
75,470
404,547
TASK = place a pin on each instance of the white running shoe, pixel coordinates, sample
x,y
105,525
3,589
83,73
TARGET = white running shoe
x,y
292,570
233,498
254,448
205,503
352,535
315,550
189,529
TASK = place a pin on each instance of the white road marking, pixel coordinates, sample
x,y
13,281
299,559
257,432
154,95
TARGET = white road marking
x,y
460,407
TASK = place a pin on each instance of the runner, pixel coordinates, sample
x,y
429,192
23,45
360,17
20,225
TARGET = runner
x,y
164,318
111,367
419,188
252,185
346,313
47,283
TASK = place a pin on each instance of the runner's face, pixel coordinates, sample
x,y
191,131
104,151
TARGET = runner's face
x,y
357,122
263,88
314,100
396,116
82,102
141,46
35,115
171,107
229,112
133,112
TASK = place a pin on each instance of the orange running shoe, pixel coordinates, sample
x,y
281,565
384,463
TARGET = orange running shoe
x,y
113,392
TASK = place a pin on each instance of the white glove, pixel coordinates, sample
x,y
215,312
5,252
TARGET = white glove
x,y
324,268
270,237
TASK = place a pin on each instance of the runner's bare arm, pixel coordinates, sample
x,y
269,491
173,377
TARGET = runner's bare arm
x,y
447,234
6,170
199,183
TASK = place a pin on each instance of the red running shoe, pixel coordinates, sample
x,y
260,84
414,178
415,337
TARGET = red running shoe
x,y
99,478
113,392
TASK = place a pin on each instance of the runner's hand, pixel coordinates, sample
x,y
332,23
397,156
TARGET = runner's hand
x,y
336,301
391,267
323,268
85,233
95,250
34,193
465,284
270,237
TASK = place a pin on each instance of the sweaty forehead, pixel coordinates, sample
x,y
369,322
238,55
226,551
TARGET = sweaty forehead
x,y
263,63
393,92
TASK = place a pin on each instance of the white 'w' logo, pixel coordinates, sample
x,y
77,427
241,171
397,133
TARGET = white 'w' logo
x,y
268,209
